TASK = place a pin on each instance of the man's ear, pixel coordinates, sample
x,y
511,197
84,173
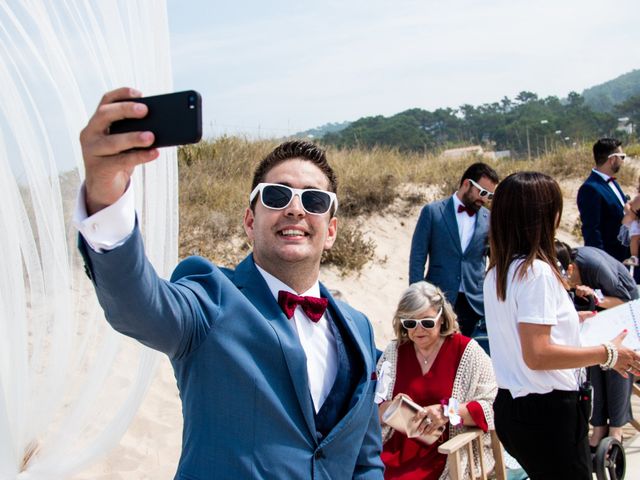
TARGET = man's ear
x,y
332,233
571,270
248,223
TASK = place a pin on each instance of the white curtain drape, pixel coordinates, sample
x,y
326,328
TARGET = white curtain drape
x,y
69,385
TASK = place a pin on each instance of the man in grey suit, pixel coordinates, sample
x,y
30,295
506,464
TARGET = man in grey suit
x,y
452,234
276,377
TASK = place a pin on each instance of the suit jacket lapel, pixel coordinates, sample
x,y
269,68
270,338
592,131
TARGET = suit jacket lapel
x,y
362,355
619,188
253,286
449,216
482,219
606,190
347,321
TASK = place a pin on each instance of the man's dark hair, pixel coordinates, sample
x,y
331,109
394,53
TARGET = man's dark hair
x,y
603,148
565,254
295,149
478,170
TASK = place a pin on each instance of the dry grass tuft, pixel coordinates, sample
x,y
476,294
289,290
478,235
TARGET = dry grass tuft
x,y
215,179
352,249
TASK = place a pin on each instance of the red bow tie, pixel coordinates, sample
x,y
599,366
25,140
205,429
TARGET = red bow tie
x,y
611,179
470,211
313,307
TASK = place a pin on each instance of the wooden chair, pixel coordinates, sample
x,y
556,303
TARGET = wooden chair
x,y
454,447
636,392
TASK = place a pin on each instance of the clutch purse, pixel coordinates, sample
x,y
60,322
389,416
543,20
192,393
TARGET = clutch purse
x,y
400,416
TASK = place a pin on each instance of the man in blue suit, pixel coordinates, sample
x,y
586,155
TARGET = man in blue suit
x,y
601,200
276,377
452,234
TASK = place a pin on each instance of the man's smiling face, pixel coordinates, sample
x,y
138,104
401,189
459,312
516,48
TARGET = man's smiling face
x,y
290,235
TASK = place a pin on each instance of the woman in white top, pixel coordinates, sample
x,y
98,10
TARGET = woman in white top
x,y
542,407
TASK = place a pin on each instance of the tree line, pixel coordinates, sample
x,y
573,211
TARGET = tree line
x,y
525,125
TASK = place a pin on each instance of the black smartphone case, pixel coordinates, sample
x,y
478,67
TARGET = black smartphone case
x,y
174,119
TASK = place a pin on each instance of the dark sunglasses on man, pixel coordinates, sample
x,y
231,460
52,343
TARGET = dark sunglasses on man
x,y
277,197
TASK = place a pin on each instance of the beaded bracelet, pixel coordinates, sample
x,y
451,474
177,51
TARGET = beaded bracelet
x,y
612,356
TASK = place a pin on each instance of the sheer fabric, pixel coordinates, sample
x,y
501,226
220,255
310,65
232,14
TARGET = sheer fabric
x,y
69,385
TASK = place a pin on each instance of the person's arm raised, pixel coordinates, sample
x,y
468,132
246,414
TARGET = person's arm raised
x,y
108,159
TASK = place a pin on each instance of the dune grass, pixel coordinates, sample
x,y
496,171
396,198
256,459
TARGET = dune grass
x,y
215,180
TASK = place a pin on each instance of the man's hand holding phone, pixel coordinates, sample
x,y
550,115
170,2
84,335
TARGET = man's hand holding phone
x,y
126,130
109,160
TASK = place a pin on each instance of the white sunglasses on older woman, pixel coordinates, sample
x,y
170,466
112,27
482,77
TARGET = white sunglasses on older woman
x,y
428,322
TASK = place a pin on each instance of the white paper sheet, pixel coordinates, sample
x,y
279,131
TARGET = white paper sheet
x,y
609,323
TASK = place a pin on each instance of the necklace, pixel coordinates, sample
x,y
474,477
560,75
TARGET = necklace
x,y
425,360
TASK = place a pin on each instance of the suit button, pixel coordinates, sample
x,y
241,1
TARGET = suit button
x,y
319,454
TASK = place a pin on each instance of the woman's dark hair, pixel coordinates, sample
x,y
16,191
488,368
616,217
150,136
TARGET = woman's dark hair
x,y
525,213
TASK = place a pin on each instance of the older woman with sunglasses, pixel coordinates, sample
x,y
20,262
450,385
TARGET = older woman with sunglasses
x,y
437,367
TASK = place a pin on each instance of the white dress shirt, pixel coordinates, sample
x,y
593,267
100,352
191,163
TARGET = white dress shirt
x,y
316,339
466,224
466,227
613,188
111,227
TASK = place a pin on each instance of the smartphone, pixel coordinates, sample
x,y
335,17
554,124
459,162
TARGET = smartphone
x,y
174,119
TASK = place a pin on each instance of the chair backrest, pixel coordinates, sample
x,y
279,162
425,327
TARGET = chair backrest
x,y
466,442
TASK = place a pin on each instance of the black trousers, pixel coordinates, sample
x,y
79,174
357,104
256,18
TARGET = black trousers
x,y
468,318
546,433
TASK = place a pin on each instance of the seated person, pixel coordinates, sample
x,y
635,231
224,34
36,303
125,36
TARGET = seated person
x,y
593,272
432,363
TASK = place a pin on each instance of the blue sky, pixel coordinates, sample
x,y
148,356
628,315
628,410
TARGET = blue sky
x,y
271,68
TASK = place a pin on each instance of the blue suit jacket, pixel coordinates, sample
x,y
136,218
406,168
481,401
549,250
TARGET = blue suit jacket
x,y
437,239
240,369
601,213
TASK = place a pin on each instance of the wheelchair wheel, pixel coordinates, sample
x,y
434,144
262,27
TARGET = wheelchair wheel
x,y
609,461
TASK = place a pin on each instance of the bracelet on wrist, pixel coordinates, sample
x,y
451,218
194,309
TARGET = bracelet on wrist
x,y
612,356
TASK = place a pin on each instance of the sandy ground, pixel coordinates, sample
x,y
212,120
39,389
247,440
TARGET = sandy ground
x,y
151,447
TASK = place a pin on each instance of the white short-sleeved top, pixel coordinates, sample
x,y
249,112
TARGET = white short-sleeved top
x,y
538,298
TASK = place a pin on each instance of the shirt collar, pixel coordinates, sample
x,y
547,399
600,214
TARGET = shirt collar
x,y
604,176
276,285
456,203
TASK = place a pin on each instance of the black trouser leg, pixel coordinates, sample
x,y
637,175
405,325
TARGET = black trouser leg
x,y
546,434
467,316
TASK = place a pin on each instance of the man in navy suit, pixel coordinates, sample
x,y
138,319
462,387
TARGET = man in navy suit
x,y
276,377
601,200
452,234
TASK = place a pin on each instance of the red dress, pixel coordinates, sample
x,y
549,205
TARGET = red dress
x,y
408,459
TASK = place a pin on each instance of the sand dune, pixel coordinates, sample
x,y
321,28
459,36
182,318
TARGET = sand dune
x,y
151,447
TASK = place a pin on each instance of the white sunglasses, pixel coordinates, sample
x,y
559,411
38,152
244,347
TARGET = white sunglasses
x,y
428,322
277,197
621,156
483,192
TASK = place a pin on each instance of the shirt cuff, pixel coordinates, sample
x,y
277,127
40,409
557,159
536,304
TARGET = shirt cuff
x,y
476,412
110,227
